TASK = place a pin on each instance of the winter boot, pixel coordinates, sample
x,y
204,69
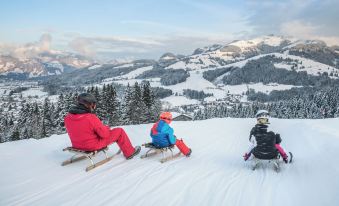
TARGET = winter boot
x,y
189,153
183,148
285,159
136,151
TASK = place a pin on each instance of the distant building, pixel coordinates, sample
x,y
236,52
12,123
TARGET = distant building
x,y
182,117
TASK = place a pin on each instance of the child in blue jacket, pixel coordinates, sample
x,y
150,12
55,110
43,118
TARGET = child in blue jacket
x,y
163,135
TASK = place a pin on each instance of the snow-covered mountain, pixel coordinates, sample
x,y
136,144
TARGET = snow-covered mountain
x,y
43,64
262,64
217,55
229,69
215,174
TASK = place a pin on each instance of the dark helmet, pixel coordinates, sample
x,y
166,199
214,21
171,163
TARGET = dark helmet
x,y
86,98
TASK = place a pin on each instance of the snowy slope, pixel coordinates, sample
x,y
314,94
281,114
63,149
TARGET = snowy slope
x,y
302,64
234,54
215,174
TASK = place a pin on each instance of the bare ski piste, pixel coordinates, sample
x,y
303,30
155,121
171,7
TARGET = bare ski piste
x,y
152,151
80,155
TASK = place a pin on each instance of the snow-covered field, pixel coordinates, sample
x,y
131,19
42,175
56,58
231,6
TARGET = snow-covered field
x,y
35,92
196,82
215,174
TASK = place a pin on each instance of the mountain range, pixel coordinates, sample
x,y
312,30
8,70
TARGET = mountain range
x,y
263,64
43,64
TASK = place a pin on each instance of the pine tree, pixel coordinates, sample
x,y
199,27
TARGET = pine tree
x,y
47,123
114,117
69,101
25,134
104,96
59,114
15,135
149,101
100,112
125,106
36,121
137,107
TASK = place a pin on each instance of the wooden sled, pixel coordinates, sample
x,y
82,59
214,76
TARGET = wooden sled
x,y
80,155
275,162
153,150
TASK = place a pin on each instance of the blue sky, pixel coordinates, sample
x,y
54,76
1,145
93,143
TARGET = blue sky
x,y
149,28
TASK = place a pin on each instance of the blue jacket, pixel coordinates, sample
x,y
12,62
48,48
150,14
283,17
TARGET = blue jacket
x,y
162,134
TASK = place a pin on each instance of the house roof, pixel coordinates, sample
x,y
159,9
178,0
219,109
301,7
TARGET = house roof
x,y
186,115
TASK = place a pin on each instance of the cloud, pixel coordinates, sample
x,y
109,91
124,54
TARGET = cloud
x,y
306,31
90,46
301,18
116,47
83,46
144,47
28,50
298,29
45,42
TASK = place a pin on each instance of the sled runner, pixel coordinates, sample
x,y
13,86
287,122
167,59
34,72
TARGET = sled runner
x,y
153,150
89,155
274,162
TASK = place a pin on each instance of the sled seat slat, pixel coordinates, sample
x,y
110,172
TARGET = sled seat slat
x,y
154,150
152,146
84,152
88,155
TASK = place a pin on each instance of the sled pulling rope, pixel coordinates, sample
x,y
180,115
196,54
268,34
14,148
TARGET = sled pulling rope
x,y
153,150
89,155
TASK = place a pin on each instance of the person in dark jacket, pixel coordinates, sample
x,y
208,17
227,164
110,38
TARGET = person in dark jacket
x,y
163,134
88,133
265,144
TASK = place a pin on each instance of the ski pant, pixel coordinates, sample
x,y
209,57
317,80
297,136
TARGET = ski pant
x,y
119,136
281,150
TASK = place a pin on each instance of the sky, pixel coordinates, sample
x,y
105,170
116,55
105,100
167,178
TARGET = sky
x,y
134,29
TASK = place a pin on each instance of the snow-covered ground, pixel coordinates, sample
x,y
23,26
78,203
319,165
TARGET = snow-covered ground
x,y
174,101
215,174
35,92
135,73
259,87
307,65
196,82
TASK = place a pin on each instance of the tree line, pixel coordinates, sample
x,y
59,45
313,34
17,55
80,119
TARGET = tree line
x,y
323,103
42,119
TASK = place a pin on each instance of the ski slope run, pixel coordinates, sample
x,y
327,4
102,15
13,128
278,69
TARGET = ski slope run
x,y
215,174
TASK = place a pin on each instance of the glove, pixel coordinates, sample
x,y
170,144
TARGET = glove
x,y
246,156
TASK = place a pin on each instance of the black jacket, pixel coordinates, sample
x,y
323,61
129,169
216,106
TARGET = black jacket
x,y
79,109
265,142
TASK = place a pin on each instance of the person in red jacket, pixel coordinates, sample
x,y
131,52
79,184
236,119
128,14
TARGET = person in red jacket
x,y
88,133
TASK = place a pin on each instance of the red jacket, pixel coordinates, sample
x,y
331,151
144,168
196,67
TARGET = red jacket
x,y
86,131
